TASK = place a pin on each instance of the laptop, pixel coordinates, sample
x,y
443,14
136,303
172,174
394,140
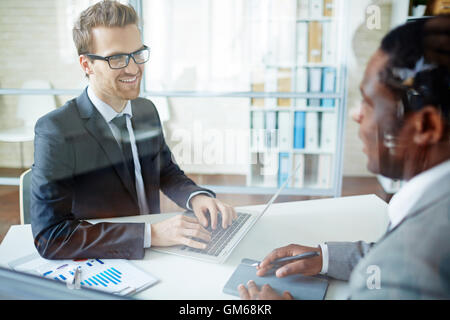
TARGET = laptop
x,y
223,241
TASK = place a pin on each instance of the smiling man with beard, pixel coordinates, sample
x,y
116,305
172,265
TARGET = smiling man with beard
x,y
103,155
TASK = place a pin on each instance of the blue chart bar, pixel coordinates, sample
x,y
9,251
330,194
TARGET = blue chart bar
x,y
47,273
62,277
99,280
116,271
112,275
90,265
107,276
100,261
103,278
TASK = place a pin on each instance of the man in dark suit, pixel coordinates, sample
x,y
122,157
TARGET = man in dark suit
x,y
103,154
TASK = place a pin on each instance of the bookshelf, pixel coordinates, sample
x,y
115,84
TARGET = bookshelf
x,y
301,116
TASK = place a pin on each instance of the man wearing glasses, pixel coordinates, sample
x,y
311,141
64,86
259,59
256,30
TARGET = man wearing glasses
x,y
103,155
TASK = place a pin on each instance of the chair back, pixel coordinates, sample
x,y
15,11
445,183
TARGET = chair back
x,y
31,107
25,195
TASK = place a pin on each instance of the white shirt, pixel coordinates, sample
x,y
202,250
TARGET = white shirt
x,y
408,197
108,113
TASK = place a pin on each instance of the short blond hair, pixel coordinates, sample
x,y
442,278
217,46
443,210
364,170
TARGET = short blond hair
x,y
105,13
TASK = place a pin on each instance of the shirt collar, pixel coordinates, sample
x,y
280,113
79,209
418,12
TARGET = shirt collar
x,y
419,192
105,109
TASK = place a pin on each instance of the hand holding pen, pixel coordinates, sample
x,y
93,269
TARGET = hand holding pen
x,y
292,259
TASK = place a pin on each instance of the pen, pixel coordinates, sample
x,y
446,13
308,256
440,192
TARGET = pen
x,y
75,282
301,256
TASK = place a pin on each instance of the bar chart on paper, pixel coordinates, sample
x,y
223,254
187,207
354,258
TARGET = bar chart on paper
x,y
110,275
113,276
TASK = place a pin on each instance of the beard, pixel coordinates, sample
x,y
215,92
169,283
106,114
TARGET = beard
x,y
127,91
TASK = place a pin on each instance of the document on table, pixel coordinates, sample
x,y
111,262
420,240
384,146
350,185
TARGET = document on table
x,y
115,276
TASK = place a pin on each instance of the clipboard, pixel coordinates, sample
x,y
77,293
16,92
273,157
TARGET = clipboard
x,y
301,287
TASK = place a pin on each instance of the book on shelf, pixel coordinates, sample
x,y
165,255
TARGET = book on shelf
x,y
316,8
328,85
256,168
271,129
257,102
284,85
302,9
284,131
302,43
297,178
283,172
324,171
257,129
328,131
299,130
271,76
301,86
270,169
328,8
312,131
315,42
310,178
328,43
314,85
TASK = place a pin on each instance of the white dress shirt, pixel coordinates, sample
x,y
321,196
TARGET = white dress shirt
x,y
405,199
109,114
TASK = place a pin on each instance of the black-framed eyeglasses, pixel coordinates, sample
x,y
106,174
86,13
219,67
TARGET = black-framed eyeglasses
x,y
119,61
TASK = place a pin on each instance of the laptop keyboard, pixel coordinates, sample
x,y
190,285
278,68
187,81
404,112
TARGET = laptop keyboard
x,y
220,237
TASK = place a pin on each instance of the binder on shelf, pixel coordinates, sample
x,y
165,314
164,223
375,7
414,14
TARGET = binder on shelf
x,y
284,85
328,132
297,179
302,43
270,169
257,130
328,7
257,102
301,86
328,43
256,177
312,131
328,85
324,171
315,85
271,129
284,131
316,8
270,77
310,179
315,42
302,9
299,130
283,172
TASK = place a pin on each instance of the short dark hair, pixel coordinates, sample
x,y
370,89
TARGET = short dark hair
x,y
413,79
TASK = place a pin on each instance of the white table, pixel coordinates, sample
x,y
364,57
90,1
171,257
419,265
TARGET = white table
x,y
302,222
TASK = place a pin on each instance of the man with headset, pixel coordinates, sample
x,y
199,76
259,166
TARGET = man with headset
x,y
405,128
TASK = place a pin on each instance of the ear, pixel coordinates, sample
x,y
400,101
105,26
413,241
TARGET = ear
x,y
85,64
428,126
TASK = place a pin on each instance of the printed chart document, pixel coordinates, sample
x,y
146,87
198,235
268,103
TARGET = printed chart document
x,y
115,276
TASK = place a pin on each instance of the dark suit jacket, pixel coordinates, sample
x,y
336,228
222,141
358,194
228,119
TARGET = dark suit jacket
x,y
79,173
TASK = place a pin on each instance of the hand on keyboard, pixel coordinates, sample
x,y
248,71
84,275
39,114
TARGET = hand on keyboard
x,y
180,230
208,210
219,236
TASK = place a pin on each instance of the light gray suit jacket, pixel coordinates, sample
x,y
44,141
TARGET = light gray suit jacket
x,y
411,261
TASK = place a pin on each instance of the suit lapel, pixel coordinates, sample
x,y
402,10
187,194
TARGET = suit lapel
x,y
99,129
